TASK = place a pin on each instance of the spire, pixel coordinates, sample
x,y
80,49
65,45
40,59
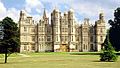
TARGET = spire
x,y
101,15
44,14
86,21
22,14
56,9
24,10
71,10
71,7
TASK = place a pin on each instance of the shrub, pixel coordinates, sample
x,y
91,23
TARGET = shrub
x,y
108,53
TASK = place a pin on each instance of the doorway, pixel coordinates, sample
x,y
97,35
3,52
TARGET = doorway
x,y
63,48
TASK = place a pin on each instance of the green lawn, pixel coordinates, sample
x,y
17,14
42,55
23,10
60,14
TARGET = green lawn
x,y
56,60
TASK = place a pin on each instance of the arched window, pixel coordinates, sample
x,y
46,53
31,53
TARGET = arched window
x,y
101,38
25,29
72,38
91,38
33,47
101,30
72,29
25,47
84,46
56,38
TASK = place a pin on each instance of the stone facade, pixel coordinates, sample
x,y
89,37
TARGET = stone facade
x,y
63,34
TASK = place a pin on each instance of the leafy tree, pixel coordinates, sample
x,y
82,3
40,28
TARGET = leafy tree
x,y
10,41
115,30
108,51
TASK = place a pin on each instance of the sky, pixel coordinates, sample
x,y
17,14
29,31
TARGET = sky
x,y
82,8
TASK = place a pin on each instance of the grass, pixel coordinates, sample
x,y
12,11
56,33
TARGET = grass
x,y
85,53
56,60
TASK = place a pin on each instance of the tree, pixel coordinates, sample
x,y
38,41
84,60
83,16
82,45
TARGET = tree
x,y
10,41
108,51
115,30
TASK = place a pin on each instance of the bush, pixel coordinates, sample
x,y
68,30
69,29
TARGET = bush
x,y
108,56
108,53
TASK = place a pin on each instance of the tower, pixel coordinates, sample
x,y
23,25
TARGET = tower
x,y
71,32
55,22
27,32
43,34
44,14
23,29
100,32
64,32
85,35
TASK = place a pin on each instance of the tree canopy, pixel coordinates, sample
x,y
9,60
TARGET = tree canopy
x,y
115,30
10,41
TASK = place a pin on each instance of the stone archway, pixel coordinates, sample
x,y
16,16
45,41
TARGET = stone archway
x,y
63,48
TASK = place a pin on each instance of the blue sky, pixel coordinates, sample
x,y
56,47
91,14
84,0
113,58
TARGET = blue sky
x,y
82,8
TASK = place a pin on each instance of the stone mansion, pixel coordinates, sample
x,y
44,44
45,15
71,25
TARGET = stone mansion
x,y
61,33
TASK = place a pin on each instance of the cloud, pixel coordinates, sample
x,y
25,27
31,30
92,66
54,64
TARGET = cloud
x,y
2,10
33,4
14,12
82,8
33,8
87,8
11,12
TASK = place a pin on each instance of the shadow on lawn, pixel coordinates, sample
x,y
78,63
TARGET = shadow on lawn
x,y
96,61
5,63
8,63
101,61
2,63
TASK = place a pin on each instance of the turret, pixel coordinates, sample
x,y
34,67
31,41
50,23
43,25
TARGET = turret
x,y
101,16
44,14
100,31
22,15
86,21
56,13
70,14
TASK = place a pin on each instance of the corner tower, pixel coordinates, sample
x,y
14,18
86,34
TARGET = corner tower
x,y
55,23
27,32
100,32
71,31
